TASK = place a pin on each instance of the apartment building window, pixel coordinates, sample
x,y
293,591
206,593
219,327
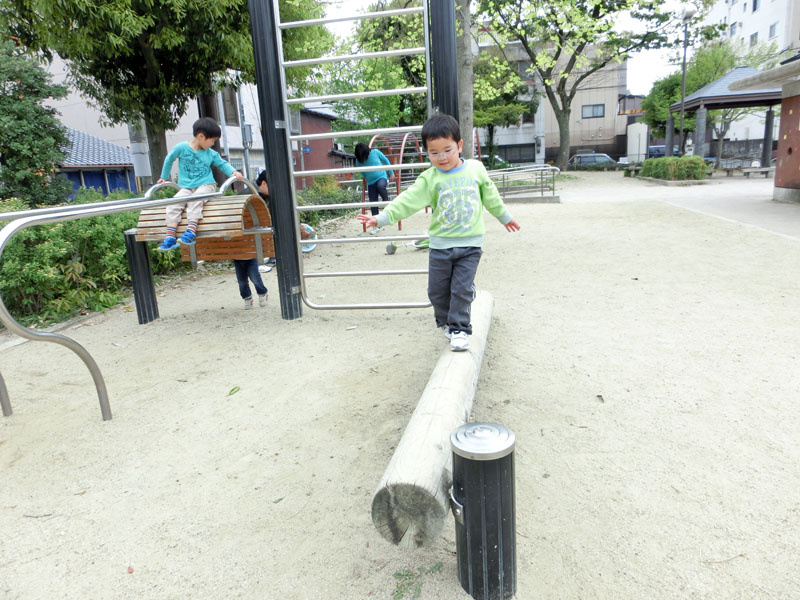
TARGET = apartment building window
x,y
593,111
773,30
754,39
733,29
756,4
744,7
230,106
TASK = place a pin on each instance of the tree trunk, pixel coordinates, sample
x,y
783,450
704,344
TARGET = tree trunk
x,y
207,107
157,143
723,129
464,57
490,149
563,131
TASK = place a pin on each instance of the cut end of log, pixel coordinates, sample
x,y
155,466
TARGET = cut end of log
x,y
408,515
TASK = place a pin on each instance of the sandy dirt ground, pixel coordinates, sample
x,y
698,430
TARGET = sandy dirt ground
x,y
644,352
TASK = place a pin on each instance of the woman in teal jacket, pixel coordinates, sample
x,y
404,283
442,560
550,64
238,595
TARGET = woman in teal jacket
x,y
376,180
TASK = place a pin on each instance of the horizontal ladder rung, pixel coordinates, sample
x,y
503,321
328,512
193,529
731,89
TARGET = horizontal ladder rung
x,y
404,166
357,95
330,59
356,133
367,273
358,17
383,238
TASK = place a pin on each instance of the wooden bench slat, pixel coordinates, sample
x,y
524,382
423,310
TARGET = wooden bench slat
x,y
220,233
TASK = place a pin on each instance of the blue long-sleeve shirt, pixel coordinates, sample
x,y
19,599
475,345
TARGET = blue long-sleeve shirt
x,y
374,159
194,166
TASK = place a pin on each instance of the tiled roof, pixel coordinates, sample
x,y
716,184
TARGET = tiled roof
x,y
86,150
717,94
719,87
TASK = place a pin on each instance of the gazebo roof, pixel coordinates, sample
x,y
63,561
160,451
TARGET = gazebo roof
x,y
718,94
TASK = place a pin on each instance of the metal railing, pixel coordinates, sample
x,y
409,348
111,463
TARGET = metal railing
x,y
399,168
539,180
19,220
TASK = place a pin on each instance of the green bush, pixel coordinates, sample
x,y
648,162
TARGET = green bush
x,y
52,272
325,190
674,168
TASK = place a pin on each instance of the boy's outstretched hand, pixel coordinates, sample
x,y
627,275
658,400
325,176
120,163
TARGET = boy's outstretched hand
x,y
237,175
512,225
367,220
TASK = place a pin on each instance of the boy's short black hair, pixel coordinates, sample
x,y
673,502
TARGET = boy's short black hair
x,y
262,178
207,126
438,127
361,152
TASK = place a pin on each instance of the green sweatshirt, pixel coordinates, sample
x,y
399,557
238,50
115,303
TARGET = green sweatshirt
x,y
457,199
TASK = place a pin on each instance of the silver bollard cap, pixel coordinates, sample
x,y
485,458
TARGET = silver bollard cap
x,y
482,441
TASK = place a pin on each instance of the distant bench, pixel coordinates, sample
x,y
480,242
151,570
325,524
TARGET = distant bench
x,y
632,170
767,171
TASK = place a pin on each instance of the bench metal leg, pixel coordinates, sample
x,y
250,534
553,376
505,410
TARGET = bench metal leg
x,y
144,291
4,401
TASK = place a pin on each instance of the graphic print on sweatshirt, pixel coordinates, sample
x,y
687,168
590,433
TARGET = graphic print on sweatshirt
x,y
193,164
458,203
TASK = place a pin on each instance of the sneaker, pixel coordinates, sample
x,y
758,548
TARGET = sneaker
x,y
168,244
248,303
459,341
375,230
188,238
262,300
270,261
446,330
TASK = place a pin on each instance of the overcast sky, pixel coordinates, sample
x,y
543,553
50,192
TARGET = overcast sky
x,y
643,69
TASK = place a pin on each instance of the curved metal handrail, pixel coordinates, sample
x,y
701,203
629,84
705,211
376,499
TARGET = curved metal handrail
x,y
33,217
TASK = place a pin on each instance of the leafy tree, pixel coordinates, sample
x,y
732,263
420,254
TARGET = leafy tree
x,y
656,104
497,88
146,60
31,138
394,33
569,40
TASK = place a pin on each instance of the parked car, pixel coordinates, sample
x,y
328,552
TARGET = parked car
x,y
594,159
659,151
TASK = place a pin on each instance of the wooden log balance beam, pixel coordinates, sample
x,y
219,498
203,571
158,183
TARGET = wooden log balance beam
x,y
412,499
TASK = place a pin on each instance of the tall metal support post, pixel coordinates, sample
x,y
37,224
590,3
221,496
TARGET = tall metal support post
x,y
276,147
688,13
444,64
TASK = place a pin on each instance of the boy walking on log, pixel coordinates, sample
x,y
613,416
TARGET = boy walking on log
x,y
195,159
457,191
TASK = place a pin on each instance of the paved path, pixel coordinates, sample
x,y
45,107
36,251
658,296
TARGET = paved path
x,y
738,199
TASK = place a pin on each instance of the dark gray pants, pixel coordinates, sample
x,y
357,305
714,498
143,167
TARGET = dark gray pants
x,y
451,286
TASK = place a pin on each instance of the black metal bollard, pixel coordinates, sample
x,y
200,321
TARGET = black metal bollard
x,y
482,499
144,292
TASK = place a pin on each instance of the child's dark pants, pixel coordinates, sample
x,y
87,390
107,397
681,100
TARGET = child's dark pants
x,y
451,286
248,268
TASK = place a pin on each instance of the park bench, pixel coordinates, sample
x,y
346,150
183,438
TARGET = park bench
x,y
632,170
767,171
232,227
729,171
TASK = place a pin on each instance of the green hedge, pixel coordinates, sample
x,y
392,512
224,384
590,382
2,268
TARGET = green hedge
x,y
52,272
325,190
675,168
